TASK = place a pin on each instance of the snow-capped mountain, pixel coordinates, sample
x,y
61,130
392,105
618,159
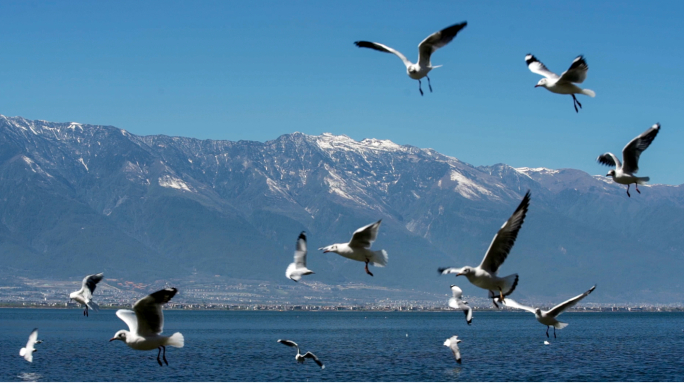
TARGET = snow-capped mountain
x,y
77,198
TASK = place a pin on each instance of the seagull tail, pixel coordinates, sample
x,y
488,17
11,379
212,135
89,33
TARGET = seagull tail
x,y
589,92
379,258
176,340
509,284
560,325
643,180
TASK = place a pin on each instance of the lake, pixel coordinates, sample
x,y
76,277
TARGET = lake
x,y
354,346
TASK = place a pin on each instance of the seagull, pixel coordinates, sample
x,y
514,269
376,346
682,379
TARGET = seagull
x,y
562,84
485,275
548,318
298,268
27,352
299,357
85,295
146,323
624,173
452,343
426,48
359,245
457,302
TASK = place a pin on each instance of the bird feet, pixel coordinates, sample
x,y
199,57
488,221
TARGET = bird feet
x,y
576,103
636,186
501,296
547,332
420,88
429,85
368,271
628,191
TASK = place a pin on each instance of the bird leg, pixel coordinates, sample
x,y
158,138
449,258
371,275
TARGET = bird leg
x,y
164,355
576,102
628,191
419,87
547,332
158,354
636,186
554,332
368,271
429,85
86,311
501,296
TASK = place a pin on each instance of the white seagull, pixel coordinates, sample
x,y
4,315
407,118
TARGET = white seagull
x,y
85,295
452,343
358,247
562,84
426,48
624,173
548,318
27,352
146,323
485,275
298,268
457,302
301,357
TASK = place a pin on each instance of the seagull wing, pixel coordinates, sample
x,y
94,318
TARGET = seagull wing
x,y
313,356
290,343
609,159
511,303
300,251
435,41
128,316
633,149
505,239
452,343
457,303
383,48
149,312
89,284
577,71
538,67
33,337
555,312
449,270
365,236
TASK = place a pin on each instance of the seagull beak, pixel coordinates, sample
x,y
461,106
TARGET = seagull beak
x,y
607,174
112,339
536,86
459,274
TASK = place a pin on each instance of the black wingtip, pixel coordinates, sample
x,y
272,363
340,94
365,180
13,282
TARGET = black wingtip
x,y
164,295
302,235
440,270
529,59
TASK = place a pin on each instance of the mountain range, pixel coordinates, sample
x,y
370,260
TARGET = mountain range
x,y
77,199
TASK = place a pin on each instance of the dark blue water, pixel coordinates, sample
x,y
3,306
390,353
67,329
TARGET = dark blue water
x,y
355,346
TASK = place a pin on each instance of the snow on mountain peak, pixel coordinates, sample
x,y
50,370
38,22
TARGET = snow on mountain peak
x,y
539,170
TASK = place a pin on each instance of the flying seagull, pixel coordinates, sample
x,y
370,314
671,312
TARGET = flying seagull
x,y
624,173
548,318
298,268
457,302
562,84
27,352
146,323
485,275
452,343
358,247
301,357
426,48
85,295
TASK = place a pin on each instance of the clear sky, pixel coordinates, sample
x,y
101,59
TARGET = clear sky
x,y
256,70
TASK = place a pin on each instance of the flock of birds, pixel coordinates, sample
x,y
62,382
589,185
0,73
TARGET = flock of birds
x,y
146,321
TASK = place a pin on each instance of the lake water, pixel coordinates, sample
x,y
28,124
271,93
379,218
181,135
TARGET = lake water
x,y
354,346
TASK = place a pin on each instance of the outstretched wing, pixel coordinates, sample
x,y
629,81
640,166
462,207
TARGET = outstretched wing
x,y
128,316
300,251
313,356
365,236
435,41
449,270
538,67
577,71
608,159
148,311
452,343
511,303
382,48
457,303
633,149
289,343
33,337
505,239
89,284
555,312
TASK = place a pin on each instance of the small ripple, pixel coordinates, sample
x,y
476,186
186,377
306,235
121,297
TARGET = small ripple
x,y
29,377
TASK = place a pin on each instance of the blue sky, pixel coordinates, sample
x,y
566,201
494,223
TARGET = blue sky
x,y
254,71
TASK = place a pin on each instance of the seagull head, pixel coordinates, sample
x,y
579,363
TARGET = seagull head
x,y
611,173
537,311
120,335
465,271
542,83
328,249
